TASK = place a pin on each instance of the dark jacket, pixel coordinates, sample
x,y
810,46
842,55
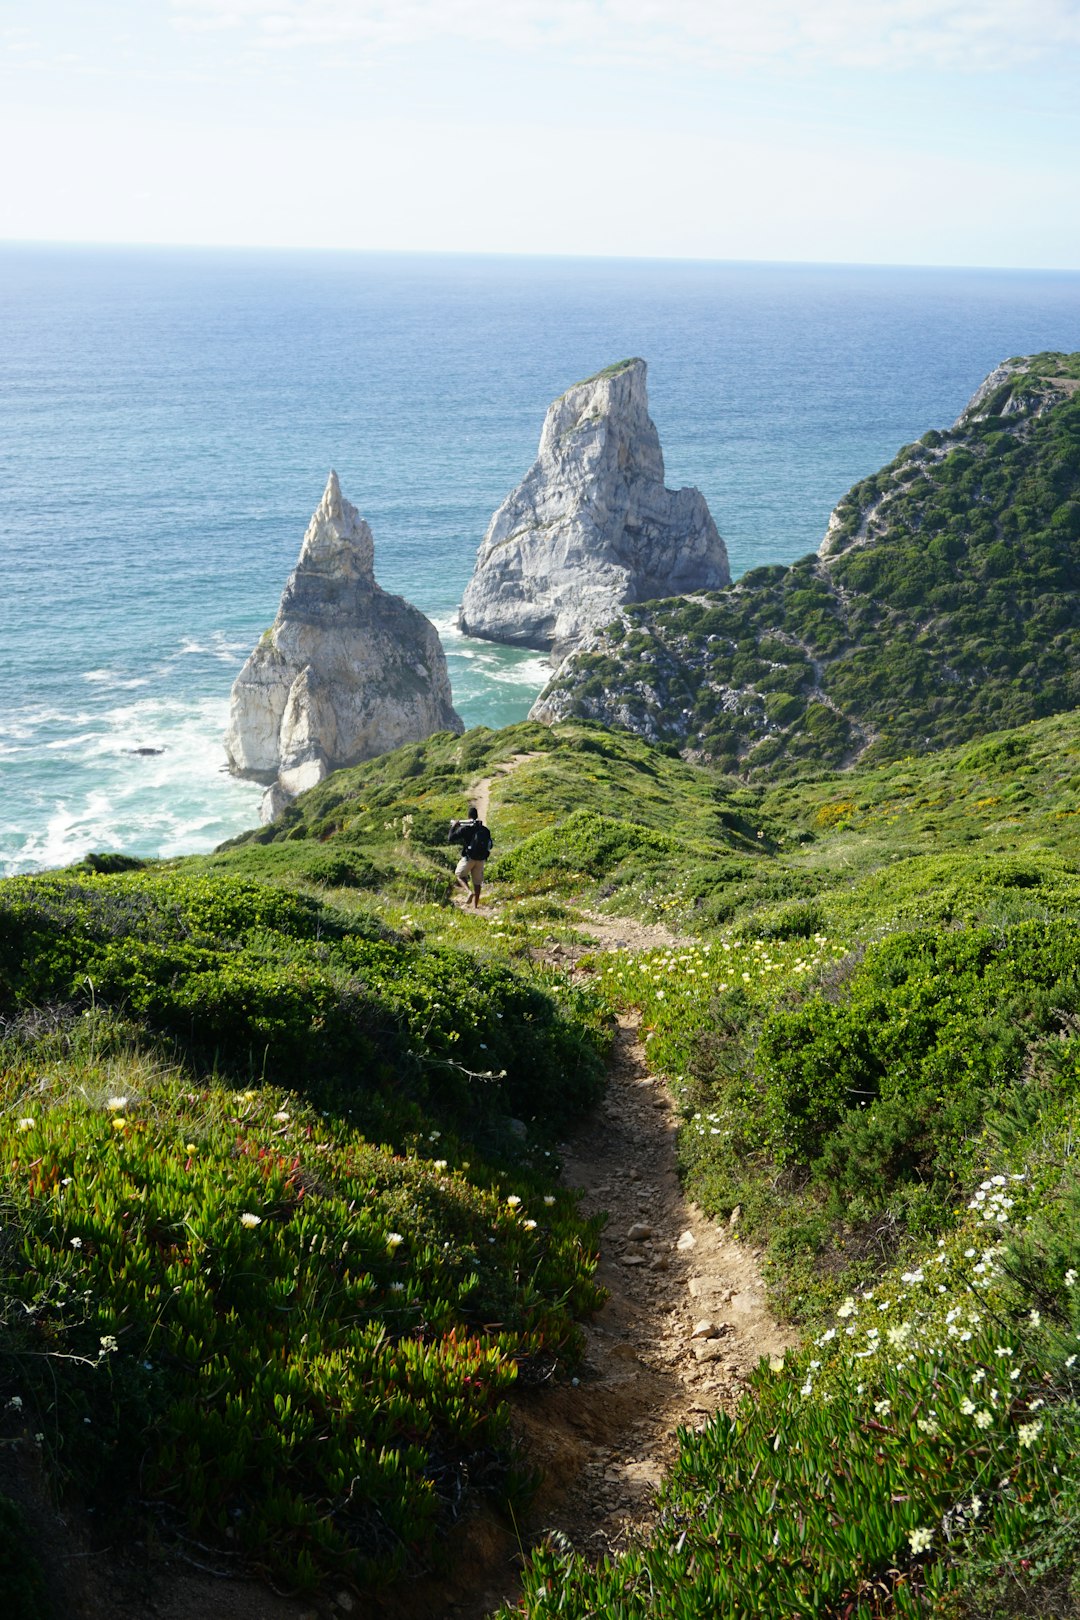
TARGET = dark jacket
x,y
464,833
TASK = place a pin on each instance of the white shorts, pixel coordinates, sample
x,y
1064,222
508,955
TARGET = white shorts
x,y
467,871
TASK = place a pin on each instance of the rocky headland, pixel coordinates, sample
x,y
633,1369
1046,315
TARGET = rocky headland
x,y
944,601
591,526
347,670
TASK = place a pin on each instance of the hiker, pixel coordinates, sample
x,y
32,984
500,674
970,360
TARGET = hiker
x,y
476,842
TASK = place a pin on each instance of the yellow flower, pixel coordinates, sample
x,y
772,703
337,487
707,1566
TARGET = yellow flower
x,y
118,1122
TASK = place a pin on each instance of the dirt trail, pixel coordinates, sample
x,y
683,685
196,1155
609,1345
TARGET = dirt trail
x,y
684,1323
685,1319
480,793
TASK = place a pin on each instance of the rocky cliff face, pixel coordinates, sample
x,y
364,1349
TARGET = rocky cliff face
x,y
591,526
346,672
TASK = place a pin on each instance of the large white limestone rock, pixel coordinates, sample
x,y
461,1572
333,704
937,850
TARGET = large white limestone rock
x,y
591,526
346,672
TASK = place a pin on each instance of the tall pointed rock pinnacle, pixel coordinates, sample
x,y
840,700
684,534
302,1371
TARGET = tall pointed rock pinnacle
x,y
347,671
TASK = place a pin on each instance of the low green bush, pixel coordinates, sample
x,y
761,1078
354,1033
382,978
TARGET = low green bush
x,y
585,842
901,1067
257,981
288,1342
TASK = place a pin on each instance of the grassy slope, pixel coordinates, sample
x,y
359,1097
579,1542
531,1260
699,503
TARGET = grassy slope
x,y
945,607
833,905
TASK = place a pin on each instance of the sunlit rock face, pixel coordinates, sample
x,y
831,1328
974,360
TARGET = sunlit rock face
x,y
591,525
347,671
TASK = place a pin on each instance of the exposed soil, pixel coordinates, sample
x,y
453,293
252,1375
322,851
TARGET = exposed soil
x,y
480,794
684,1323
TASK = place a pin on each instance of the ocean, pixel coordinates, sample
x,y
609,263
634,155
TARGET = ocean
x,y
168,418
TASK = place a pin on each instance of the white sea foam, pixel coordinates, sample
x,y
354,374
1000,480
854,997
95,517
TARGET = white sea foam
x,y
220,647
177,801
23,725
447,628
114,681
530,672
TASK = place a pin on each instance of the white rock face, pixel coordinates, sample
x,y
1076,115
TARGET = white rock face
x,y
347,671
590,526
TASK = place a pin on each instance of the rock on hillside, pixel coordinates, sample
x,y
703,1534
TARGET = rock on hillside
x,y
944,601
591,525
346,672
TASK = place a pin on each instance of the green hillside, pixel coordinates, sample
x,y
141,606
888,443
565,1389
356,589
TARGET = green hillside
x,y
944,604
283,1225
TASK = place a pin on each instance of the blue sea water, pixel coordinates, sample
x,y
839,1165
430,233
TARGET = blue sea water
x,y
168,418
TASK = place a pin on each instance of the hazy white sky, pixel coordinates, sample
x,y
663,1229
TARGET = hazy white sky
x,y
888,131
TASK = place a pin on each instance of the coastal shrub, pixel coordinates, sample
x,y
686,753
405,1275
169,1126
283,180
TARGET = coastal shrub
x,y
586,842
257,981
281,1339
838,1099
932,1026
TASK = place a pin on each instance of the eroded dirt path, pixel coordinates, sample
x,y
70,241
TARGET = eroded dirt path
x,y
685,1320
480,793
684,1324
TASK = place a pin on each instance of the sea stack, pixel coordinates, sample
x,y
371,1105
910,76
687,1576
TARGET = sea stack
x,y
347,671
591,525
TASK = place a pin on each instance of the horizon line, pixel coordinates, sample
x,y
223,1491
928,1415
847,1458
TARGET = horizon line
x,y
519,254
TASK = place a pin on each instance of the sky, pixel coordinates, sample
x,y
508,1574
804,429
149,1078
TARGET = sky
x,y
855,131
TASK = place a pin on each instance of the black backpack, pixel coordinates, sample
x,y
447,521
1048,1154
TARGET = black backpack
x,y
478,845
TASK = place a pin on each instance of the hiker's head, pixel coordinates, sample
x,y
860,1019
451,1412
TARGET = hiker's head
x,y
474,814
